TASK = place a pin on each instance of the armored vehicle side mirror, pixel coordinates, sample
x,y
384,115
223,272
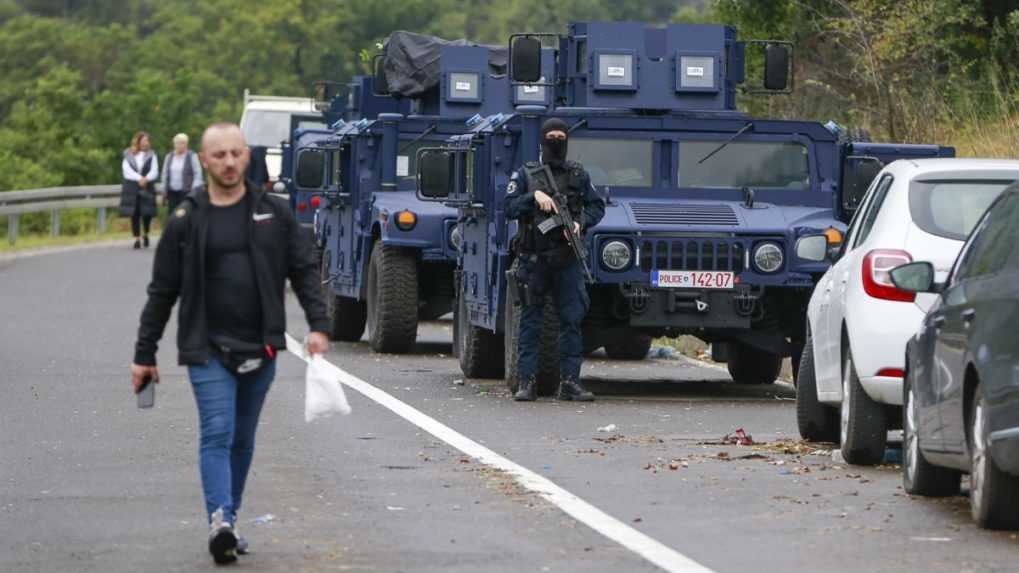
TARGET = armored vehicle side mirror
x,y
812,248
380,83
916,277
435,172
525,59
311,165
776,67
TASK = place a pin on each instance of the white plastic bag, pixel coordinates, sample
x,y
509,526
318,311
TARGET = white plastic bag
x,y
324,394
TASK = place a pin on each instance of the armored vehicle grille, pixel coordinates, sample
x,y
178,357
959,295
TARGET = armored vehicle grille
x,y
680,254
683,214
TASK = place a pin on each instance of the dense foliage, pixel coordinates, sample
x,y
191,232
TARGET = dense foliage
x,y
80,76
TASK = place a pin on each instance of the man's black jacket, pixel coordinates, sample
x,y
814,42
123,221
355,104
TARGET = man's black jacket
x,y
280,250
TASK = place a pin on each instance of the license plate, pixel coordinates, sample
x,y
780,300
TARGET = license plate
x,y
693,279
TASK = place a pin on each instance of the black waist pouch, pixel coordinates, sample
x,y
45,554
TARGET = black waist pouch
x,y
241,357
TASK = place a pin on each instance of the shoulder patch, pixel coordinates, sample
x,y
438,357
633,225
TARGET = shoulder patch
x,y
180,212
512,187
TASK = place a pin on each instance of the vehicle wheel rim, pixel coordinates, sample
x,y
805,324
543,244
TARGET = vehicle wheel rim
x,y
912,440
846,406
978,472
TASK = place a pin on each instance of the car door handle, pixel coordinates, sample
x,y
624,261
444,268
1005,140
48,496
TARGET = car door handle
x,y
968,315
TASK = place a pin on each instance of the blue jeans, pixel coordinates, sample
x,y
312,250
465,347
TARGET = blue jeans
x,y
228,410
568,291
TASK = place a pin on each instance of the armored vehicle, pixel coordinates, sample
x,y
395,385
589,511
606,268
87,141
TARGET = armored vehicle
x,y
387,256
705,204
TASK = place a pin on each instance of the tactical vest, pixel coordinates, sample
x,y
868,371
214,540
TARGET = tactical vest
x,y
568,180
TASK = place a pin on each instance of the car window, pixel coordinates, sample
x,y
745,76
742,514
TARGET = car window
x,y
268,128
757,164
873,208
951,208
615,162
993,241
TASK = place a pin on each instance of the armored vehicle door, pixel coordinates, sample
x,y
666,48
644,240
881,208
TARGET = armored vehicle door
x,y
861,162
344,241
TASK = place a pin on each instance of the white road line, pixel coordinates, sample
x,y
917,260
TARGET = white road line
x,y
644,546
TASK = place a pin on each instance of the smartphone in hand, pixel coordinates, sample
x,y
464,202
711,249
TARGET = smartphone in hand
x,y
147,395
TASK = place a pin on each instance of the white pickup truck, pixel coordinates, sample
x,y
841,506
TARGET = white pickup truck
x,y
266,122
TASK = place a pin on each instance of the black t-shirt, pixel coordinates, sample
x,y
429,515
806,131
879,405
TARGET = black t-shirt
x,y
233,306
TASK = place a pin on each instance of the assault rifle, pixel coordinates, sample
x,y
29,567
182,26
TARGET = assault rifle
x,y
562,218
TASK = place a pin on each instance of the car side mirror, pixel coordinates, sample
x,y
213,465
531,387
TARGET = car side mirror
x,y
812,248
525,59
435,172
915,277
310,169
776,67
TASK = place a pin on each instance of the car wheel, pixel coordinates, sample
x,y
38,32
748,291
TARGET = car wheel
x,y
920,477
479,350
548,351
863,422
392,299
817,422
635,347
347,316
750,365
994,495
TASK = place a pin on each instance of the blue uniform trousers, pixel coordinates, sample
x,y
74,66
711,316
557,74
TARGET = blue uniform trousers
x,y
566,286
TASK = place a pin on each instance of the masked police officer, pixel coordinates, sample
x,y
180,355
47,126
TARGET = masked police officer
x,y
545,262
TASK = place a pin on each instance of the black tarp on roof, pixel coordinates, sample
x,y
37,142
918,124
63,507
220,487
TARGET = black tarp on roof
x,y
411,61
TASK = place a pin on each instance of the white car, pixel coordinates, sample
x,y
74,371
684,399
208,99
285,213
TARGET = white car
x,y
849,386
266,122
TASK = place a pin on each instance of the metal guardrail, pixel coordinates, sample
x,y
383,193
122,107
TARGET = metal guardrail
x,y
15,203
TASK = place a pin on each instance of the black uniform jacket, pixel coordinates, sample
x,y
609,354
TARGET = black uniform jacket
x,y
280,250
519,202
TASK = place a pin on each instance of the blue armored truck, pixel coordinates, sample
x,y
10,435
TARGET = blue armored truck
x,y
387,256
705,204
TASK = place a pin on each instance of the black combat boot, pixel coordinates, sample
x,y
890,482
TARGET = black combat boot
x,y
526,390
570,389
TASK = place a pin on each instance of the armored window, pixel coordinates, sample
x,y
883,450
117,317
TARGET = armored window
x,y
757,164
615,162
311,168
464,87
616,71
406,162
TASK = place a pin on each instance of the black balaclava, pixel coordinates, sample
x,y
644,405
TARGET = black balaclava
x,y
553,151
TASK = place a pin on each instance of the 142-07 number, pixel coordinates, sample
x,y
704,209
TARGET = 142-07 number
x,y
693,279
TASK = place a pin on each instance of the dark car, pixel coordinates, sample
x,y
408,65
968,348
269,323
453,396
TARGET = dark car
x,y
961,388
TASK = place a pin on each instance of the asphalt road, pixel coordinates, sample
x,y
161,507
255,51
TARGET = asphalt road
x,y
89,483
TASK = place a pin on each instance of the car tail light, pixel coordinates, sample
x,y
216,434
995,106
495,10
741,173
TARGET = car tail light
x,y
302,207
877,277
316,201
892,372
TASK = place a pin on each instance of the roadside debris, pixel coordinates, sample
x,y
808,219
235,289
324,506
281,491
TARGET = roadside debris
x,y
265,519
738,438
395,508
458,382
609,428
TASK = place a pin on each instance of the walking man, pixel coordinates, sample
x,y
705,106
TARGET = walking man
x,y
545,263
181,172
226,253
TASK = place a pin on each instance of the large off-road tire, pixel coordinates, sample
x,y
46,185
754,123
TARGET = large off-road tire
x,y
347,316
548,358
392,299
863,423
817,422
634,347
994,494
479,350
920,477
750,365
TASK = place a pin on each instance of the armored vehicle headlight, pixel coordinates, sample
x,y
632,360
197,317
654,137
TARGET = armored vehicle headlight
x,y
768,257
616,255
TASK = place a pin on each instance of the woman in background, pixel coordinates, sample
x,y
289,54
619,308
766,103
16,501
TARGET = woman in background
x,y
138,191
